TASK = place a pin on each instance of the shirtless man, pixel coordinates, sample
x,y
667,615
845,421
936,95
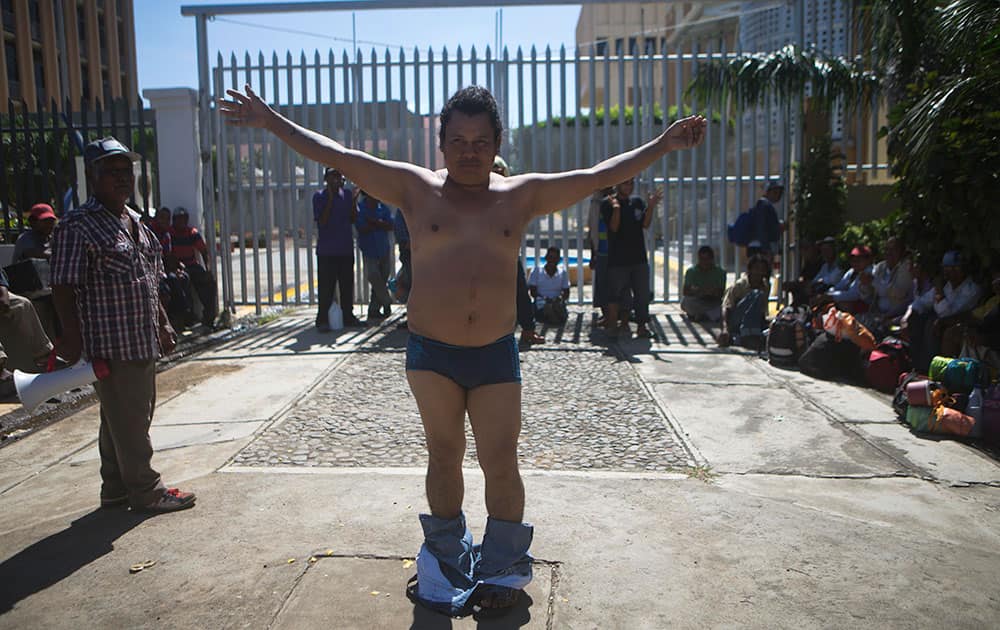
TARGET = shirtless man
x,y
462,356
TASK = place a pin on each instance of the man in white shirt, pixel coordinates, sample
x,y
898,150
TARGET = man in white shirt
x,y
549,286
830,272
891,288
959,295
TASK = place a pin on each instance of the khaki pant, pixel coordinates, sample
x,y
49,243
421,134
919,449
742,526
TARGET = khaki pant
x,y
128,397
23,341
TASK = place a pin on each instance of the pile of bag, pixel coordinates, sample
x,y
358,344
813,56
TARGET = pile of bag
x,y
956,398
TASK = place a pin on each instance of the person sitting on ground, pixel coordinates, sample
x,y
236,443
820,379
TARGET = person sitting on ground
x,y
160,225
374,223
525,310
549,286
830,271
889,291
847,292
190,248
34,242
704,285
978,334
744,306
801,287
959,295
23,343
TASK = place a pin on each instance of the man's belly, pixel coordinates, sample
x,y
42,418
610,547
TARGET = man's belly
x,y
463,314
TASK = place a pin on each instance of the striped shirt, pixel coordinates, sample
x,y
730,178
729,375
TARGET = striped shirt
x,y
116,278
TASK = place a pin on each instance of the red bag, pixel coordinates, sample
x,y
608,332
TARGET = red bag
x,y
887,361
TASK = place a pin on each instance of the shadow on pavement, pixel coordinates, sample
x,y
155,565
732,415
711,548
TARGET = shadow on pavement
x,y
520,616
59,556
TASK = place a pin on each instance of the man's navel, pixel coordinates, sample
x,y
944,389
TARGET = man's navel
x,y
434,227
472,318
506,231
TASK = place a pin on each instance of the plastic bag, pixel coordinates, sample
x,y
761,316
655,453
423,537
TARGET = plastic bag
x,y
335,317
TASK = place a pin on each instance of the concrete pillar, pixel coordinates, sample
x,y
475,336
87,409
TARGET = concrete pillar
x,y
177,150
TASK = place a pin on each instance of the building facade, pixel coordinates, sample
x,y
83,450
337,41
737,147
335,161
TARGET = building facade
x,y
649,28
81,50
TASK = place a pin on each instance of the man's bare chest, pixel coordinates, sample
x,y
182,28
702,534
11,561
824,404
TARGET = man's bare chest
x,y
460,227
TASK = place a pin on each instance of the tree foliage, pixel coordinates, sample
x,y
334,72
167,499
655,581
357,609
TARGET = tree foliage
x,y
936,64
820,191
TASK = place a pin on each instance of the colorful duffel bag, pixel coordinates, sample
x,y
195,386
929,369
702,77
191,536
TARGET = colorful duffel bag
x,y
957,375
919,418
950,421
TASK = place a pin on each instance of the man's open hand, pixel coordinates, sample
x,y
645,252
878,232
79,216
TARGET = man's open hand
x,y
654,198
246,110
686,133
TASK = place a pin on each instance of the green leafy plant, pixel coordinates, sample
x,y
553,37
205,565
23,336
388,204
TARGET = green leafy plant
x,y
820,191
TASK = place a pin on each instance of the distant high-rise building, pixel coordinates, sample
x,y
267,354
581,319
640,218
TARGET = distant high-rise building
x,y
83,50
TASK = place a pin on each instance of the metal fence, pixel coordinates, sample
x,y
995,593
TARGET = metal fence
x,y
387,104
41,156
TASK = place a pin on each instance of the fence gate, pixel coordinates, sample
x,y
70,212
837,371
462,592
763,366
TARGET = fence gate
x,y
41,156
388,105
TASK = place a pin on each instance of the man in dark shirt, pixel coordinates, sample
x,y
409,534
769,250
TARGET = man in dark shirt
x,y
188,247
335,211
765,227
627,218
34,242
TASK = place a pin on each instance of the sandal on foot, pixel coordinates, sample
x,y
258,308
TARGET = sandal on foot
x,y
502,598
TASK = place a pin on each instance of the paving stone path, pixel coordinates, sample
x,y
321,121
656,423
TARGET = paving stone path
x,y
584,409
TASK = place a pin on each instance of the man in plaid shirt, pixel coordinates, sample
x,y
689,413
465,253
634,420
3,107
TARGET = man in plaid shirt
x,y
105,268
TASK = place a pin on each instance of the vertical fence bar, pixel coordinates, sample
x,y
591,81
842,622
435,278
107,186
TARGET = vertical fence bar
x,y
281,154
578,163
535,223
520,124
667,192
222,169
239,135
268,192
679,229
252,193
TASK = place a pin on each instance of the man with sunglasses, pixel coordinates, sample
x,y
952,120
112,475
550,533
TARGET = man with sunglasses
x,y
106,267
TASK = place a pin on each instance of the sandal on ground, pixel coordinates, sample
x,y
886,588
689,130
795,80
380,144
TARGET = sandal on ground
x,y
503,599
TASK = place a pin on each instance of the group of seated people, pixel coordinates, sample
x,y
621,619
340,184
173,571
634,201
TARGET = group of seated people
x,y
956,313
186,275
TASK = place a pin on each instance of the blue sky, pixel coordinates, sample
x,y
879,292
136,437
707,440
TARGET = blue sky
x,y
167,57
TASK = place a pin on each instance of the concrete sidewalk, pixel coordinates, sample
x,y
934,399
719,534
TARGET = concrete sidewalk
x,y
670,484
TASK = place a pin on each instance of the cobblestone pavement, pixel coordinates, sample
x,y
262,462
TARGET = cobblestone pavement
x,y
583,408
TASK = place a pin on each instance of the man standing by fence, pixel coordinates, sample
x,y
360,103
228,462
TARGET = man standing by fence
x,y
335,212
466,225
106,268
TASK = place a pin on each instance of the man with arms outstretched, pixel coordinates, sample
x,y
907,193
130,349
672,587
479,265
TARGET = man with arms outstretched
x,y
462,356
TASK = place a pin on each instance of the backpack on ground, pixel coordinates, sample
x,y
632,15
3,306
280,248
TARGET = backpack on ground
x,y
739,230
831,359
788,337
888,360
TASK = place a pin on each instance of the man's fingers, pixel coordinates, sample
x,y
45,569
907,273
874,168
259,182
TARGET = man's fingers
x,y
243,100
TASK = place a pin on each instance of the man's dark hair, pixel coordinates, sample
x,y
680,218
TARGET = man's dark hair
x,y
757,259
706,249
551,250
470,101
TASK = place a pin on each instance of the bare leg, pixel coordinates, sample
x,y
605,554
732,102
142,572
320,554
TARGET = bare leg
x,y
442,410
495,414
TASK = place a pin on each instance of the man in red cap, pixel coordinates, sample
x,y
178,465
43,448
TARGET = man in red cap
x,y
34,242
847,292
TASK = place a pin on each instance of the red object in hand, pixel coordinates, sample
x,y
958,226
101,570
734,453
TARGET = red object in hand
x,y
101,369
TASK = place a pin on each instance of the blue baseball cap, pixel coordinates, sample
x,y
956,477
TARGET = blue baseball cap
x,y
107,147
775,183
952,259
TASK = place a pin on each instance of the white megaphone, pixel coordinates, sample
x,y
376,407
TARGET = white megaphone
x,y
34,389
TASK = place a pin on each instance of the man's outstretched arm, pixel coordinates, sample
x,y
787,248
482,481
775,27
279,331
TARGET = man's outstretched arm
x,y
388,180
554,191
